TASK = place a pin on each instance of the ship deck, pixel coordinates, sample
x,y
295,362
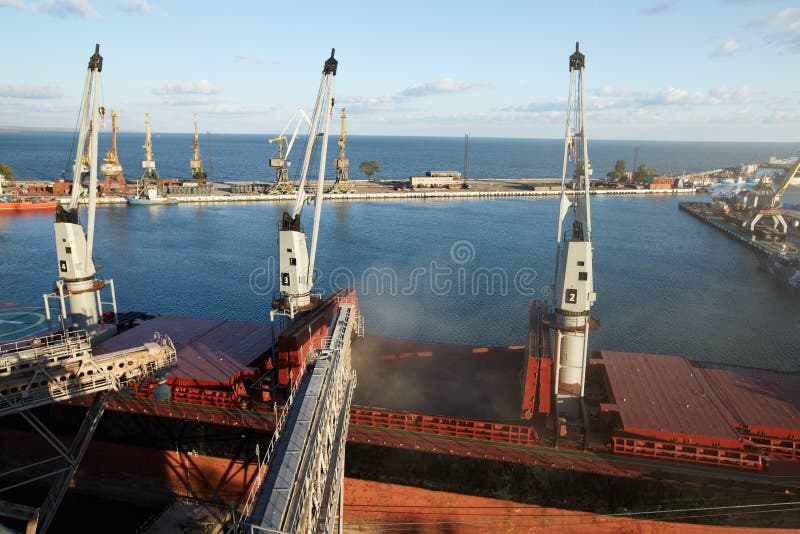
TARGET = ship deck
x,y
440,390
211,351
673,399
762,402
18,321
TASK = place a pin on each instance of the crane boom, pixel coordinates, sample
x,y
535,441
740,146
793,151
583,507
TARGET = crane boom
x,y
574,294
74,247
791,172
298,118
296,261
281,163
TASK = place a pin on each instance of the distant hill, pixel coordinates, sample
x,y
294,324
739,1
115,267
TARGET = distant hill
x,y
32,129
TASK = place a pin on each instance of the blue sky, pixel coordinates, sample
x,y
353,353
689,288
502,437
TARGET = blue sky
x,y
661,70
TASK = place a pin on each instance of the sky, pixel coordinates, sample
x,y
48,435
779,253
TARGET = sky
x,y
700,70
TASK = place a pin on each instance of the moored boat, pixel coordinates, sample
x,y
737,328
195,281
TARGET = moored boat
x,y
784,268
151,197
14,203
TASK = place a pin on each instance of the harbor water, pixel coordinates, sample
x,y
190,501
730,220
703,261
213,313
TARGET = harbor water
x,y
454,270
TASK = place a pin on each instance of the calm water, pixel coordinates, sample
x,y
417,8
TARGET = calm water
x,y
448,270
45,155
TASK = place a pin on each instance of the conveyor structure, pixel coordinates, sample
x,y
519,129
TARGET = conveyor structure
x,y
57,367
299,483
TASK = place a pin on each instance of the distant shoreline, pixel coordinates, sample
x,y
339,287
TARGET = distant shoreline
x,y
42,129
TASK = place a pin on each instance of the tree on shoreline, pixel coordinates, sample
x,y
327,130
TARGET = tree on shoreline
x,y
619,173
369,168
7,174
643,173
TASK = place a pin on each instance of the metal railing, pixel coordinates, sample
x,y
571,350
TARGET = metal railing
x,y
308,504
280,421
61,367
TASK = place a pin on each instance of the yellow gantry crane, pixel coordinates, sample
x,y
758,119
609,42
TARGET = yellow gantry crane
x,y
198,174
281,163
342,183
112,169
281,185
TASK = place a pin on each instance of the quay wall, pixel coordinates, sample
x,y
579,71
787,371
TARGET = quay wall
x,y
192,199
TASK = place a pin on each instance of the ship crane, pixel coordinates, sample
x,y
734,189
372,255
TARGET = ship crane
x,y
772,206
74,247
198,174
296,260
574,294
281,163
111,167
342,183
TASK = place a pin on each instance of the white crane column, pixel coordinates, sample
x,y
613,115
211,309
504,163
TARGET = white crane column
x,y
74,247
574,293
296,262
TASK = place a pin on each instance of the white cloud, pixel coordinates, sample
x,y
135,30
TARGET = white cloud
x,y
781,29
716,96
202,87
727,48
443,85
186,100
742,95
67,8
659,8
778,19
360,104
12,3
135,6
675,96
781,115
612,98
34,92
559,104
610,90
247,58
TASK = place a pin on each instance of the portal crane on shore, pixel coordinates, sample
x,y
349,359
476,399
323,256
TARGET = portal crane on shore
x,y
150,181
198,174
74,247
342,183
281,163
111,166
574,294
771,208
296,260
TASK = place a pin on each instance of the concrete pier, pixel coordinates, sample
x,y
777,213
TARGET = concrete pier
x,y
704,212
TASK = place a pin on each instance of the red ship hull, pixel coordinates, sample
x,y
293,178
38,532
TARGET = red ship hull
x,y
28,205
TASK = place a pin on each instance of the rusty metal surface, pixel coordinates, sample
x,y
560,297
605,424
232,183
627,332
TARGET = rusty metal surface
x,y
766,402
210,351
667,398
